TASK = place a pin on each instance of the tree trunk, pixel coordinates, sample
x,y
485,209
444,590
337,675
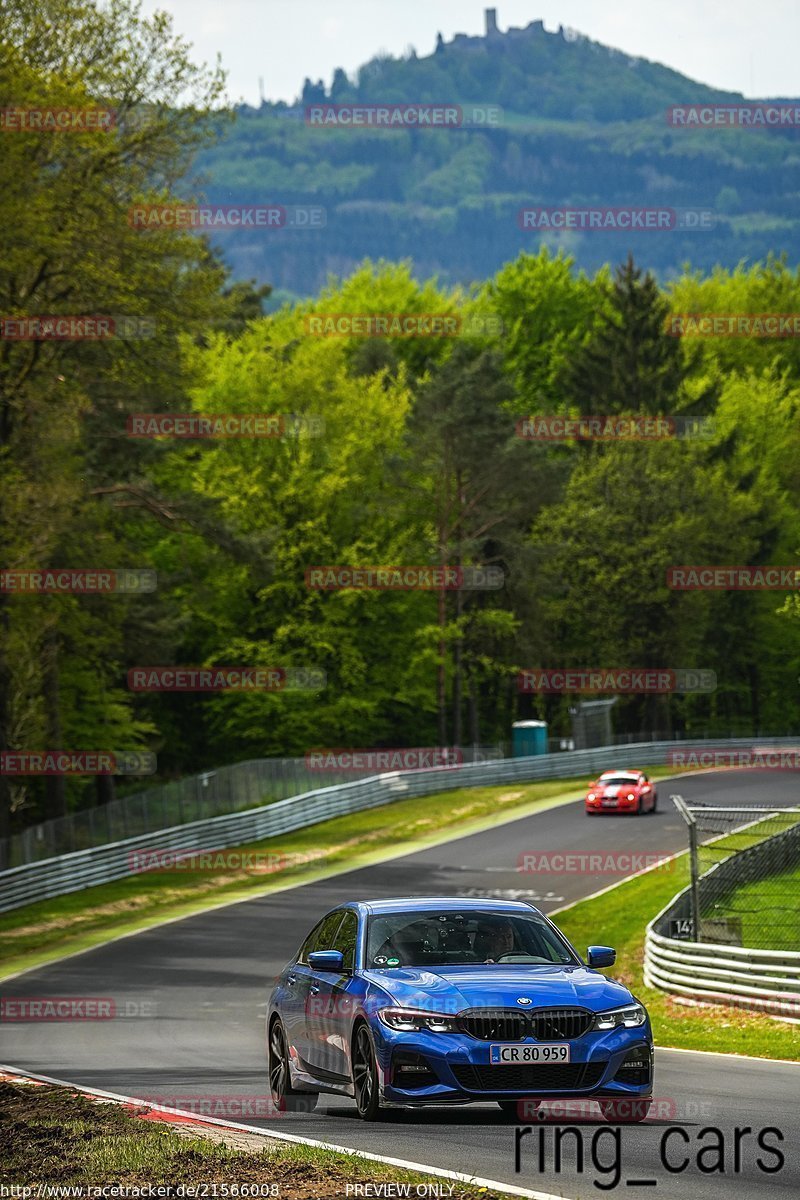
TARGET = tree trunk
x,y
441,678
55,786
105,790
457,675
5,721
474,714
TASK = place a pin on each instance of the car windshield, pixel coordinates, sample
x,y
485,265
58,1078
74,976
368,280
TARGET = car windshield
x,y
427,939
618,781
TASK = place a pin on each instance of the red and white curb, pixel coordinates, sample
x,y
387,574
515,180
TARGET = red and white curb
x,y
158,1112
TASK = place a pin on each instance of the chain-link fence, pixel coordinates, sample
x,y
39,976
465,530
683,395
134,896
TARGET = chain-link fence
x,y
745,872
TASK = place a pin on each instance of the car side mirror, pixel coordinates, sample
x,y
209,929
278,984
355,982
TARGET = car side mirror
x,y
600,956
326,960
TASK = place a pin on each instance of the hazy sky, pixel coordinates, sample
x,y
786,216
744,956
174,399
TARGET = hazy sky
x,y
739,45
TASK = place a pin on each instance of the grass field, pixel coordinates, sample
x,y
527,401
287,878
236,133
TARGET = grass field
x,y
769,910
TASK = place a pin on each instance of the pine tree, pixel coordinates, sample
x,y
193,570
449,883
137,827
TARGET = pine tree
x,y
629,364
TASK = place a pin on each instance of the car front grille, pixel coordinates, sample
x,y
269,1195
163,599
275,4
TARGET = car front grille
x,y
510,1025
530,1077
494,1024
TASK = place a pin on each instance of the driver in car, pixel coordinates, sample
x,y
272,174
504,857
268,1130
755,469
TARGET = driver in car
x,y
494,941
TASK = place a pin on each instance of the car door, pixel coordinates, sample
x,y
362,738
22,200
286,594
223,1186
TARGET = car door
x,y
332,1000
646,793
298,980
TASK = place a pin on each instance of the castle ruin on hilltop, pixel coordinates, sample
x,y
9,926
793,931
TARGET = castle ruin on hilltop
x,y
514,33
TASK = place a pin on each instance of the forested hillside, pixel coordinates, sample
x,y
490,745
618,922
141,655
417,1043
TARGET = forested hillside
x,y
407,451
579,123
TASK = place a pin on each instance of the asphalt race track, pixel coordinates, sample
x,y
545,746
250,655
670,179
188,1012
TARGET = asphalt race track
x,y
191,995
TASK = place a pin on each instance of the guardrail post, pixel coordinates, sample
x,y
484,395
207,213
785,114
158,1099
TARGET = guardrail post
x,y
694,891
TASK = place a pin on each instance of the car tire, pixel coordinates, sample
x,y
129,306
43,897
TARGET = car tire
x,y
655,804
625,1112
365,1075
284,1096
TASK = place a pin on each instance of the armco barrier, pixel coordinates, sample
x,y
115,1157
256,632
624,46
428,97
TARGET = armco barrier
x,y
213,793
767,980
102,864
763,980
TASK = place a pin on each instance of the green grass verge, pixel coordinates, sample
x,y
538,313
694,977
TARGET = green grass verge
x,y
769,910
49,929
54,1136
618,918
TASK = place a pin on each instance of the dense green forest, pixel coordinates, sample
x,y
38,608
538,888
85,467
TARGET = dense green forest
x,y
579,124
408,455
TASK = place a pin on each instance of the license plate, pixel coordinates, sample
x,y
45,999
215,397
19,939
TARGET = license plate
x,y
609,803
544,1052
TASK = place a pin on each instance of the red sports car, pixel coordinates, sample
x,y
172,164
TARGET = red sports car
x,y
621,791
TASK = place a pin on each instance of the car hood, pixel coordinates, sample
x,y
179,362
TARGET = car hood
x,y
499,986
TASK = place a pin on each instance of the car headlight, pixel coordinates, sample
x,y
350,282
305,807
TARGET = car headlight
x,y
407,1020
590,796
631,795
628,1017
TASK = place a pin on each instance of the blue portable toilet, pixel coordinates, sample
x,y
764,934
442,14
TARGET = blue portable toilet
x,y
528,738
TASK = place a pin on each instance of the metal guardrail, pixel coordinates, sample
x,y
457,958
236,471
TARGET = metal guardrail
x,y
766,980
102,864
211,793
763,980
233,788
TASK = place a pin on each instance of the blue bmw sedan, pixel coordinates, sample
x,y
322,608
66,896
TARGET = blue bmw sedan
x,y
448,1000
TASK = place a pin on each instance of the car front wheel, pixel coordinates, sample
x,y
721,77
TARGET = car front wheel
x,y
284,1097
365,1076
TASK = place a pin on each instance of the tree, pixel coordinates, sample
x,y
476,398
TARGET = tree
x,y
70,249
629,364
627,516
471,495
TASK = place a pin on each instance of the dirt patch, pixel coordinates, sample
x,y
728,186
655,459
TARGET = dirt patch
x,y
56,1136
